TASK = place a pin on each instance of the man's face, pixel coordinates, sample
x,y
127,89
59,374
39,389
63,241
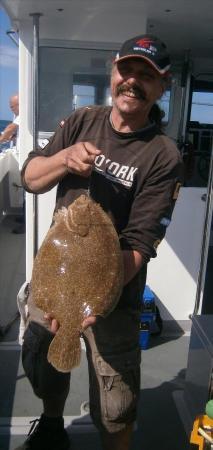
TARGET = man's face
x,y
135,86
14,105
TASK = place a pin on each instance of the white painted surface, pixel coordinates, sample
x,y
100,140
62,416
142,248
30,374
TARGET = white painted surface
x,y
46,203
173,274
4,165
9,168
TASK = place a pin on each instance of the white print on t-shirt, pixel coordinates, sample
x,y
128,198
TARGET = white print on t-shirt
x,y
43,143
114,171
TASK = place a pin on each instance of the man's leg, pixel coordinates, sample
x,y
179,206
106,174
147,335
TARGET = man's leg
x,y
51,386
117,441
54,406
113,355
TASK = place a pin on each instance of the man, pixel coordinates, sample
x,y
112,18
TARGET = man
x,y
134,171
10,132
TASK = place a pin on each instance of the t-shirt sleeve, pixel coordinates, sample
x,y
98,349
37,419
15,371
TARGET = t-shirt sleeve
x,y
152,209
16,120
57,142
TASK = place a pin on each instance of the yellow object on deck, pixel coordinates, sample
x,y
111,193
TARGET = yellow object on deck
x,y
202,431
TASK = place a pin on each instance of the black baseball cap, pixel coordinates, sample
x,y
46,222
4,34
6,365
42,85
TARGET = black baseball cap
x,y
148,47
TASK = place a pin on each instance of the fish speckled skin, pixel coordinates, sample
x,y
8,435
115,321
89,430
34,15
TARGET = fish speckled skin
x,y
78,271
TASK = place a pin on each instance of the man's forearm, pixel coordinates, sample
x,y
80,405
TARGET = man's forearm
x,y
133,261
8,133
42,173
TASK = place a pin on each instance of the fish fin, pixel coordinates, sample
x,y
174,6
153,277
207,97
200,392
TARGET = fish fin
x,y
64,351
78,217
60,214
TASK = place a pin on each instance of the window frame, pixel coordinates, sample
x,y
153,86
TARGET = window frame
x,y
67,44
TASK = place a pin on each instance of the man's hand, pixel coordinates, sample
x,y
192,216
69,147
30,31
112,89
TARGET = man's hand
x,y
9,132
42,173
133,261
54,324
80,158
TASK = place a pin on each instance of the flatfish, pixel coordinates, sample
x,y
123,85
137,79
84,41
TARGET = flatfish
x,y
77,272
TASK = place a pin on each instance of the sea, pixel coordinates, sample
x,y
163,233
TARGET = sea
x,y
3,124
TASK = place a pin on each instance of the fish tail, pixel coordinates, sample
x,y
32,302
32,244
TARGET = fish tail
x,y
64,351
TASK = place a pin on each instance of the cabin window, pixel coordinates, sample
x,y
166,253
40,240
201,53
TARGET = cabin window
x,y
202,107
83,95
70,78
108,97
200,131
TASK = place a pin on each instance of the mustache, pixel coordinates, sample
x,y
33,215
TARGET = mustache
x,y
137,91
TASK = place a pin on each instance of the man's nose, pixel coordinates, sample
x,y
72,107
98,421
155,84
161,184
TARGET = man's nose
x,y
132,79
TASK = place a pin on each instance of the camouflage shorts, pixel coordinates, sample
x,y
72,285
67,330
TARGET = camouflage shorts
x,y
113,357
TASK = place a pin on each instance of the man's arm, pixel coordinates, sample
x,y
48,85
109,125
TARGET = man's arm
x,y
133,261
8,132
42,173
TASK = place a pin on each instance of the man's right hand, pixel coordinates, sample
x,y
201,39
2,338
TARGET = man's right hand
x,y
80,158
42,173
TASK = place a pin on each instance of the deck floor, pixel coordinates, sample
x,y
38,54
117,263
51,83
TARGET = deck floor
x,y
159,425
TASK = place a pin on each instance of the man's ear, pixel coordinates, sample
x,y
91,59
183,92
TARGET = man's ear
x,y
163,88
167,80
165,83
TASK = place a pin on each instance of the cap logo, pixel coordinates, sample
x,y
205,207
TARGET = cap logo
x,y
145,42
145,45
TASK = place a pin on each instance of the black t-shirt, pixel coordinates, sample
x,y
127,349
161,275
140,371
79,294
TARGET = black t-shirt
x,y
135,179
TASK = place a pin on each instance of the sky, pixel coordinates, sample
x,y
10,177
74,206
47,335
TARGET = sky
x,y
8,67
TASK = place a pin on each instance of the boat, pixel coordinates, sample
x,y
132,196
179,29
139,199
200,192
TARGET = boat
x,y
65,54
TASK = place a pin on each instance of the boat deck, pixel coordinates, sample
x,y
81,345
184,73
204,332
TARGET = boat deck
x,y
159,424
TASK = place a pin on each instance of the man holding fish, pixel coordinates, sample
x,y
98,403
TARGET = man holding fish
x,y
121,157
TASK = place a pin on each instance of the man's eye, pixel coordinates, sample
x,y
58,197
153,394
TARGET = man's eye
x,y
124,70
147,76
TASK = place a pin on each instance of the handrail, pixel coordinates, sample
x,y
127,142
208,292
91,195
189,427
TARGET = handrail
x,y
10,34
36,17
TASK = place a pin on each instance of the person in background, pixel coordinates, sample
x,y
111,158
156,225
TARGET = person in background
x,y
134,171
10,132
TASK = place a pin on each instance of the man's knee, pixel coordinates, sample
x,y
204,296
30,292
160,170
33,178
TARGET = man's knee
x,y
114,391
44,378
